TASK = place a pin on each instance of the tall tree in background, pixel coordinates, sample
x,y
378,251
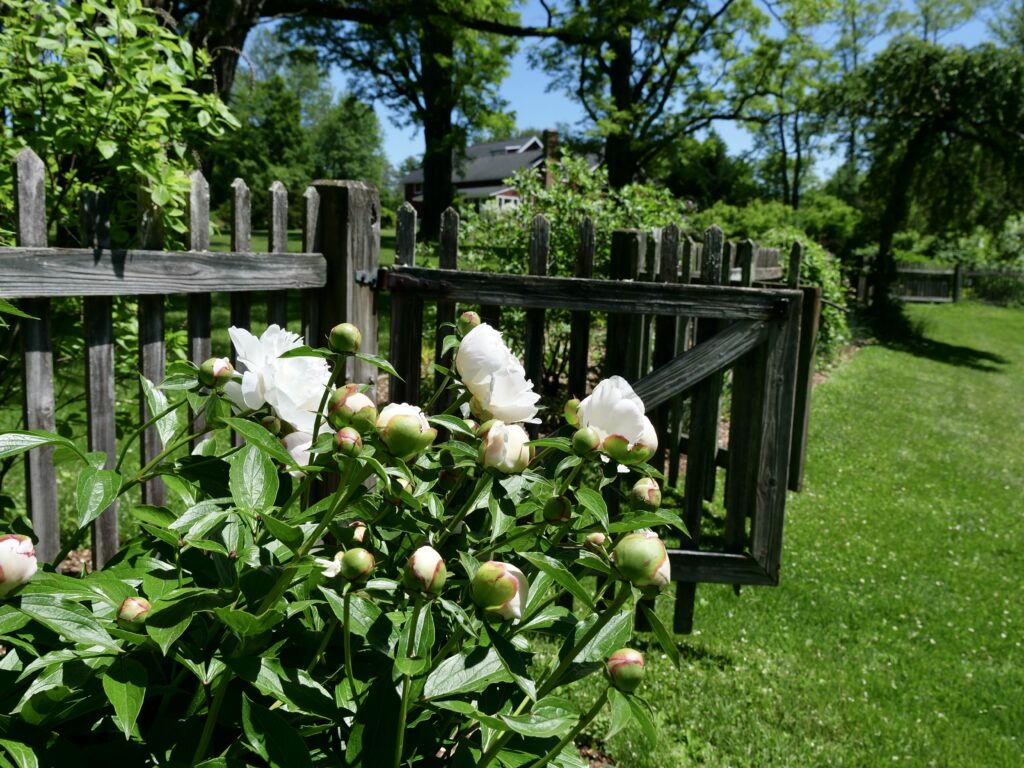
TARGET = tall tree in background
x,y
1008,26
944,130
442,75
930,20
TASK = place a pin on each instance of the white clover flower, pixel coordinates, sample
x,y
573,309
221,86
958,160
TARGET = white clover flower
x,y
495,378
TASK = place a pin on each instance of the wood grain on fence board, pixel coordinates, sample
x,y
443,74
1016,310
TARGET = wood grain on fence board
x,y
684,329
447,258
152,351
241,241
666,338
46,272
406,316
310,303
348,226
99,375
277,242
623,345
540,232
200,347
37,358
810,318
796,258
690,566
579,323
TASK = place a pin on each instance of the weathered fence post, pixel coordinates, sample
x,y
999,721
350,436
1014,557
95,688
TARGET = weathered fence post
x,y
666,340
99,373
810,318
623,353
348,226
958,280
683,324
241,241
200,346
579,324
151,346
534,353
40,477
447,258
406,316
277,242
310,296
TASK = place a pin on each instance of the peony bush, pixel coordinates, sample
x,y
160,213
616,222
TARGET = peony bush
x,y
333,584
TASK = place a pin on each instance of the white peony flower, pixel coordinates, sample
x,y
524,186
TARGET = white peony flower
x,y
298,445
505,448
17,562
293,387
495,377
617,414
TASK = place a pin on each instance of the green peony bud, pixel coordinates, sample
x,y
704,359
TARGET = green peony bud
x,y
349,407
348,442
216,372
596,542
626,669
426,571
272,424
467,322
357,564
405,430
345,338
585,441
500,589
133,612
645,494
642,559
557,509
572,412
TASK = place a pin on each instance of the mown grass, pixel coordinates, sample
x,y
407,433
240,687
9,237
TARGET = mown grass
x,y
895,637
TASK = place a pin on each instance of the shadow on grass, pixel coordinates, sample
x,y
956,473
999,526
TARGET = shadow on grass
x,y
893,329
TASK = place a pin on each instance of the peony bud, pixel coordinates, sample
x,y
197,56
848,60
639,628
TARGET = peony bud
x,y
504,448
357,564
626,669
467,322
641,558
617,414
426,571
585,441
394,490
596,542
359,530
501,590
646,494
557,509
17,562
216,372
405,430
571,412
345,338
272,424
348,442
133,612
348,407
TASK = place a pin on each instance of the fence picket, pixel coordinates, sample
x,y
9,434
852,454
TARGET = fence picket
x,y
666,338
241,241
448,258
406,316
151,347
200,347
99,374
684,327
277,242
579,324
540,233
40,477
623,353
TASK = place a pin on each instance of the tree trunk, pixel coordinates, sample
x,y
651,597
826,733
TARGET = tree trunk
x,y
618,147
439,136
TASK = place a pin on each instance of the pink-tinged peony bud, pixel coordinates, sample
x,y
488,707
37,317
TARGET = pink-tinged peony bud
x,y
467,322
585,441
626,669
405,430
501,590
357,565
133,612
504,448
596,542
571,412
17,562
348,442
345,338
272,424
394,490
426,571
359,531
645,493
216,372
557,509
348,407
641,558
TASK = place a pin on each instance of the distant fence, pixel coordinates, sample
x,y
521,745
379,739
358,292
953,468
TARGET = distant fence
x,y
675,327
921,284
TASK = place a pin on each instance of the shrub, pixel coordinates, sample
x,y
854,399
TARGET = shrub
x,y
411,614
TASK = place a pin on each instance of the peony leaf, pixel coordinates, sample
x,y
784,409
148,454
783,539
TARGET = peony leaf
x,y
257,435
125,683
97,489
665,638
466,672
557,571
592,501
253,479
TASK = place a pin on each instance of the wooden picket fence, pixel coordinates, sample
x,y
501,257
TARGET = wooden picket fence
x,y
674,327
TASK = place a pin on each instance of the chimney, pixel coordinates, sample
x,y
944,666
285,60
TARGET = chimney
x,y
549,139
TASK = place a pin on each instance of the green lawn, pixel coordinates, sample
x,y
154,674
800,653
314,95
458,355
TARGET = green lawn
x,y
895,637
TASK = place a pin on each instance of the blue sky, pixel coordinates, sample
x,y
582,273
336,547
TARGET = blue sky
x,y
527,94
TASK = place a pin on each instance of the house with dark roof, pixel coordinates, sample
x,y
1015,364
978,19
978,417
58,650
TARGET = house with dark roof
x,y
481,174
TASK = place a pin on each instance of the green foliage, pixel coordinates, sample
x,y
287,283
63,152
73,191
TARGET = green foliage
x,y
103,92
254,651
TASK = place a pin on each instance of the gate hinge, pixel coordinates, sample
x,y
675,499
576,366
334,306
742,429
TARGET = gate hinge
x,y
366,278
